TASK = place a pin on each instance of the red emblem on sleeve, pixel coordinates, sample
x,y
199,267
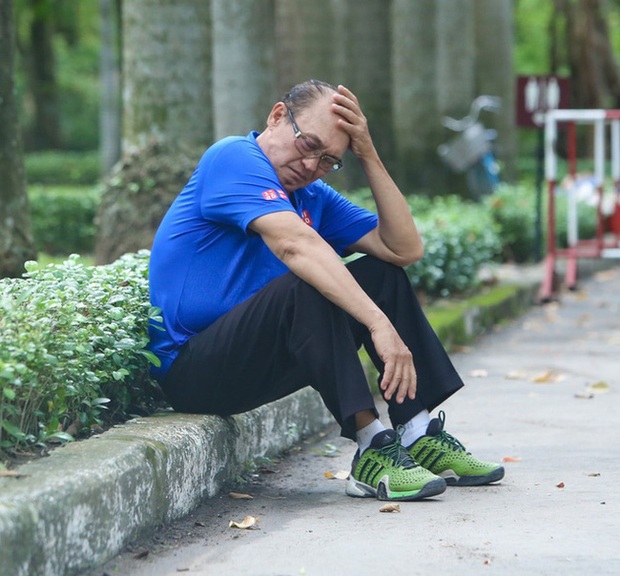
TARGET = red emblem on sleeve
x,y
270,194
305,216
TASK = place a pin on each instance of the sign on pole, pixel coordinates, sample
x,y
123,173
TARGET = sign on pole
x,y
536,95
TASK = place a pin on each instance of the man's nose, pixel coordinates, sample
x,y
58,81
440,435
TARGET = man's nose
x,y
311,164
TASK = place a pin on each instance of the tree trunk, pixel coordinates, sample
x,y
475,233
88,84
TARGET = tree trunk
x,y
307,41
110,112
495,74
167,117
416,119
364,66
244,84
594,71
46,133
166,72
16,244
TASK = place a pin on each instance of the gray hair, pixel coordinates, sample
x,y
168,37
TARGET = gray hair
x,y
304,94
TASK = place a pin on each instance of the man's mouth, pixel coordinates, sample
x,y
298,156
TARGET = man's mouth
x,y
298,175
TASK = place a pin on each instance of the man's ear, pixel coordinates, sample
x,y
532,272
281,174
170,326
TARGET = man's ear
x,y
278,112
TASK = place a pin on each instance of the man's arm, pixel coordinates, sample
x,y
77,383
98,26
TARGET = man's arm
x,y
396,238
308,256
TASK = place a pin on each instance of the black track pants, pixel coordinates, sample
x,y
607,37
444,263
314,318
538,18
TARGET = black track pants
x,y
288,336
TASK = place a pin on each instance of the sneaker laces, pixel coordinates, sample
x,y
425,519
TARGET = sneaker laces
x,y
398,453
447,438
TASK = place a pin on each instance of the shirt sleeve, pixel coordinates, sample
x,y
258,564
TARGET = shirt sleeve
x,y
343,223
238,184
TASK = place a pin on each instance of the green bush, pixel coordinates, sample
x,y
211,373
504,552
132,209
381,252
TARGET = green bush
x,y
459,237
513,209
63,219
586,220
61,167
72,337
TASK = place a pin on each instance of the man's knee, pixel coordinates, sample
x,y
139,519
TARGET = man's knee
x,y
371,269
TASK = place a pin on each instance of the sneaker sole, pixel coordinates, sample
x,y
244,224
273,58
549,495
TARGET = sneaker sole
x,y
358,489
453,479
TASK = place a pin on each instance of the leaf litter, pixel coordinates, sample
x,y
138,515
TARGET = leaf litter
x,y
249,522
340,475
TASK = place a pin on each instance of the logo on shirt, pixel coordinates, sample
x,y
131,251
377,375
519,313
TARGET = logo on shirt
x,y
305,216
272,194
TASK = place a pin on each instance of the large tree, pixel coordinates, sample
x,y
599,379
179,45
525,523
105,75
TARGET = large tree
x,y
444,54
244,78
110,112
167,118
594,71
416,115
16,244
42,76
495,74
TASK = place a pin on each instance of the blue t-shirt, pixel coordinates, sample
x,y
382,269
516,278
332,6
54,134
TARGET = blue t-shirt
x,y
205,259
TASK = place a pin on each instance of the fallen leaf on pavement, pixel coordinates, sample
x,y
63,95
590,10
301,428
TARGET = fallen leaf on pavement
x,y
560,485
606,275
516,375
594,474
11,474
390,508
340,475
599,387
240,496
511,459
247,522
548,377
479,373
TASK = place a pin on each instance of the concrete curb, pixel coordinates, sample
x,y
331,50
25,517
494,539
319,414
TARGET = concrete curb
x,y
81,506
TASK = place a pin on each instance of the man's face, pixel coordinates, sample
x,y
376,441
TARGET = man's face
x,y
294,168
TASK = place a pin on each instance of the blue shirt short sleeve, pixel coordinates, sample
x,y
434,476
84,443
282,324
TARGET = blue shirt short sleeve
x,y
205,260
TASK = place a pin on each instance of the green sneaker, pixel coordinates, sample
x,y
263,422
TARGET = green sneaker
x,y
386,471
444,455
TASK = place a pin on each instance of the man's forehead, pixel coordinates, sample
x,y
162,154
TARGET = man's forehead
x,y
320,120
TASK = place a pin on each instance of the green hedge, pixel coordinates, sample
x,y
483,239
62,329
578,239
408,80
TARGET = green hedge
x,y
63,218
513,208
72,337
63,167
459,237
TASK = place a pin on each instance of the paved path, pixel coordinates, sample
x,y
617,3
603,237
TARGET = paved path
x,y
544,392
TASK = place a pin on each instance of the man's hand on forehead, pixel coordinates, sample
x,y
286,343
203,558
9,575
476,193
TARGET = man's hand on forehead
x,y
352,121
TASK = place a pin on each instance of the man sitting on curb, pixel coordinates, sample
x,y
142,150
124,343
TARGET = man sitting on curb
x,y
257,303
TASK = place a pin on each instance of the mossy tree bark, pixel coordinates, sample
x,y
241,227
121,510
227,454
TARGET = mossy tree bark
x,y
167,119
16,243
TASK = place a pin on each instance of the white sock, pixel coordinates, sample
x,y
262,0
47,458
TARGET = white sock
x,y
415,428
365,435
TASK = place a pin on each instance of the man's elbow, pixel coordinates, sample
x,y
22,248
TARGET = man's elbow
x,y
405,259
412,256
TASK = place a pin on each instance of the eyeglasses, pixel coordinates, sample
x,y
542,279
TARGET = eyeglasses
x,y
308,147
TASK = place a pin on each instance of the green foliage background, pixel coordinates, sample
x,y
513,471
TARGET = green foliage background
x,y
77,44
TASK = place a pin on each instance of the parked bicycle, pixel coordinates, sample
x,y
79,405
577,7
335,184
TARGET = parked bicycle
x,y
471,151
